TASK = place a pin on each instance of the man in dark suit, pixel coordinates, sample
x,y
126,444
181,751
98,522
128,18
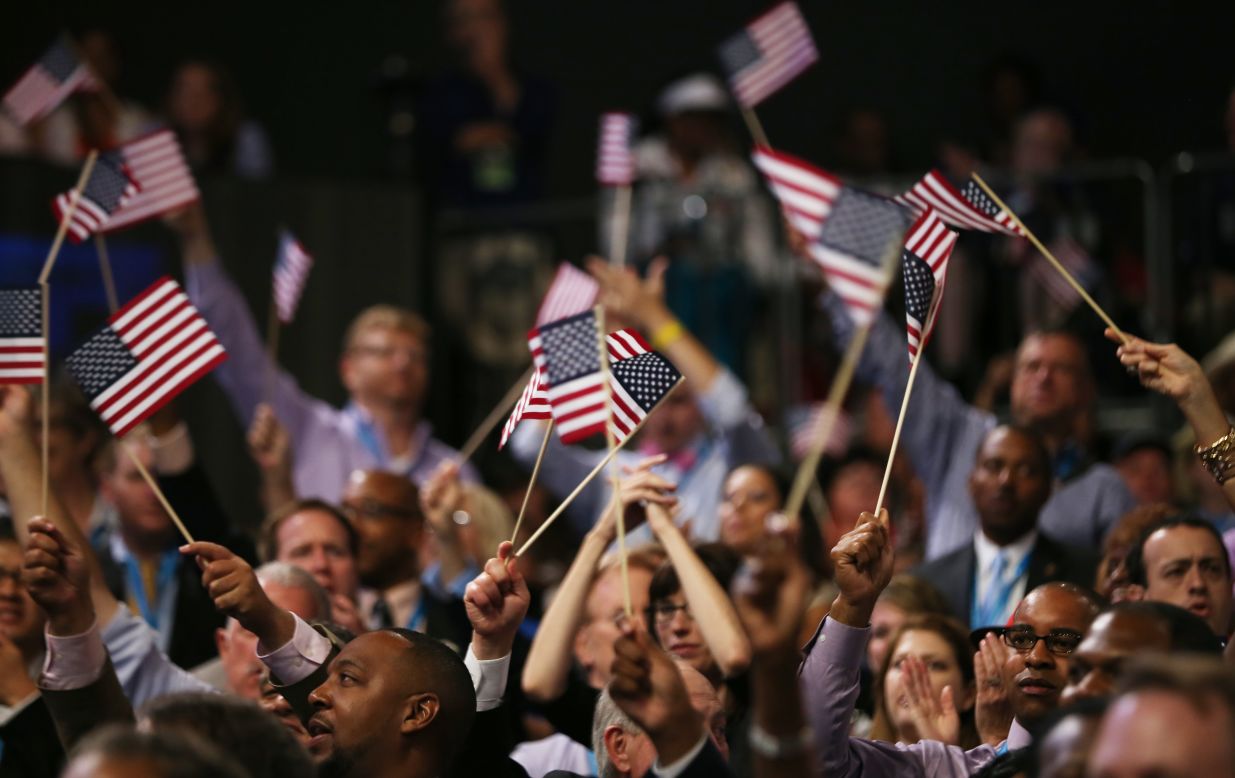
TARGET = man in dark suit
x,y
1009,556
385,510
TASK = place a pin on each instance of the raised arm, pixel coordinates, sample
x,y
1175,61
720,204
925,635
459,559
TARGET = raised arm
x,y
270,447
1169,370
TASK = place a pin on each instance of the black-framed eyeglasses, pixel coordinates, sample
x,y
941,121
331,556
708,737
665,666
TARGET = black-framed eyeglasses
x,y
1060,642
663,613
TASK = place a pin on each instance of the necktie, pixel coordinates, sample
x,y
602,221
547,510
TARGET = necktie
x,y
381,614
990,610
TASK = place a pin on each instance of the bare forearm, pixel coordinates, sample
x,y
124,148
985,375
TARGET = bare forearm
x,y
778,711
548,660
683,350
713,610
277,489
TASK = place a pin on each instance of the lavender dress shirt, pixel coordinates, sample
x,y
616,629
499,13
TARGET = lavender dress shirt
x,y
328,443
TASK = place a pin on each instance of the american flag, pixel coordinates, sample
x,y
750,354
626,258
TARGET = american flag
x,y
625,344
924,270
615,164
767,54
968,209
571,292
852,246
107,189
56,75
291,268
805,192
638,384
568,351
804,421
1076,261
533,404
165,183
150,350
21,336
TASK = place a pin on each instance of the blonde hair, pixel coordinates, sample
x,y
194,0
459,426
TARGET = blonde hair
x,y
384,316
489,515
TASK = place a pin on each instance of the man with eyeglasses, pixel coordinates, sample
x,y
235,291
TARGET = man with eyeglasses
x,y
384,367
1009,554
384,509
1046,628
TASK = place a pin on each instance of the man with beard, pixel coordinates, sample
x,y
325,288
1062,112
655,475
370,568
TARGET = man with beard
x,y
1046,628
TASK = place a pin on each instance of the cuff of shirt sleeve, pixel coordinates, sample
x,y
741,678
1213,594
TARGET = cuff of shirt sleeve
x,y
73,661
488,678
299,657
173,450
840,643
679,766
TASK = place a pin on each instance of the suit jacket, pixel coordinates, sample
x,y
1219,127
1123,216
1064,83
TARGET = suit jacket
x,y
953,574
31,746
708,763
78,711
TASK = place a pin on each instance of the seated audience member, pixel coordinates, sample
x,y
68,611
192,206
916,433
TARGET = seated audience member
x,y
1065,739
1009,555
1183,561
203,107
1052,393
1111,580
384,509
317,537
1170,717
121,752
925,687
1127,630
1145,462
389,702
1046,627
384,367
570,657
705,428
237,669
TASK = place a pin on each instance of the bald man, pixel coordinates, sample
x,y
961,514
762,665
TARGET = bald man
x,y
384,509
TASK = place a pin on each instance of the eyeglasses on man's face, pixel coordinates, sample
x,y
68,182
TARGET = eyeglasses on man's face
x,y
1060,642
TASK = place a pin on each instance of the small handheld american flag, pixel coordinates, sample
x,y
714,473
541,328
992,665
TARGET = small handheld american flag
x,y
572,291
805,192
21,336
767,54
291,270
151,350
49,81
105,192
638,384
164,182
966,209
567,350
924,262
533,404
615,162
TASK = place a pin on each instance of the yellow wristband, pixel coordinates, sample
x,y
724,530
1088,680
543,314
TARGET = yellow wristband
x,y
667,334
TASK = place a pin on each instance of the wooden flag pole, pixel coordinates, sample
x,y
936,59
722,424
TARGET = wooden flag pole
x,y
154,485
621,226
1063,271
896,436
45,288
595,471
755,127
478,436
544,445
272,350
614,477
109,281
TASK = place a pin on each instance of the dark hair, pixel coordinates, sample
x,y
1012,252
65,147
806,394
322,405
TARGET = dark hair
x,y
720,560
430,658
1189,633
830,468
268,534
957,637
1136,555
238,727
1033,436
172,754
915,596
1086,708
8,533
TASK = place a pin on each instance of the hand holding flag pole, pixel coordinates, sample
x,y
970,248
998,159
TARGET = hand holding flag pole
x,y
1063,271
611,442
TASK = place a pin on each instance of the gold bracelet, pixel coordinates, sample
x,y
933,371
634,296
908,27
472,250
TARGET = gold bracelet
x,y
667,334
1219,457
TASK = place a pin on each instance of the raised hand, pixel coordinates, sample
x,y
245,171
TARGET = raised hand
x,y
496,602
1163,367
269,443
641,490
631,298
770,594
863,561
57,575
235,590
441,496
992,709
934,718
648,687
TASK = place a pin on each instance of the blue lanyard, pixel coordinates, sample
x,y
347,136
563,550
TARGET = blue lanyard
x,y
367,435
168,564
417,615
989,611
591,760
